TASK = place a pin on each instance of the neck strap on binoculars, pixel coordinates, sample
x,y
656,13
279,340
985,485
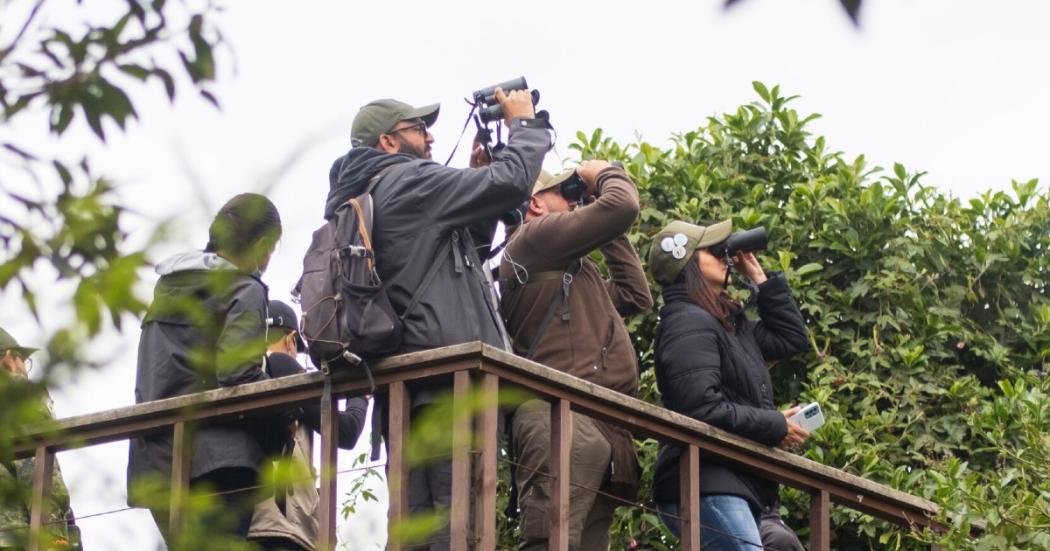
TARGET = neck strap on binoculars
x,y
729,270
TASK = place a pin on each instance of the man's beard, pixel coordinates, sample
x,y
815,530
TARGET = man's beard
x,y
417,152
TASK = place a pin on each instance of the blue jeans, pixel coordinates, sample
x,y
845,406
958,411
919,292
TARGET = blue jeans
x,y
726,523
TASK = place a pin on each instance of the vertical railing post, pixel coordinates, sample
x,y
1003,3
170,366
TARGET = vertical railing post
x,y
819,521
488,427
461,422
181,459
561,447
329,469
43,469
689,497
397,467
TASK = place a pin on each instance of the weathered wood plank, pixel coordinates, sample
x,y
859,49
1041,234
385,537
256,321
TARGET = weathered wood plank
x,y
181,464
329,471
43,470
488,428
461,436
561,450
397,467
652,421
642,418
263,396
819,521
689,498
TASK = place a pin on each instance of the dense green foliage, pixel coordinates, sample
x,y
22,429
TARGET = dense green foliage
x,y
928,316
62,226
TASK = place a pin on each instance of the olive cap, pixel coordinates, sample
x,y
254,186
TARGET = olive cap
x,y
674,245
543,182
7,342
551,182
380,116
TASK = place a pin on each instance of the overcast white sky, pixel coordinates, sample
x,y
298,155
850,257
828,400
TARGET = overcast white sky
x,y
955,88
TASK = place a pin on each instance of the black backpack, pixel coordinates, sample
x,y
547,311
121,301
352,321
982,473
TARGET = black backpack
x,y
347,316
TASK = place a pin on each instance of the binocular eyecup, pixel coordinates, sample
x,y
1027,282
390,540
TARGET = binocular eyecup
x,y
749,241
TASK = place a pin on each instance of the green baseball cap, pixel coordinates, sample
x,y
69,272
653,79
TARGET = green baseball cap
x,y
380,116
7,342
674,245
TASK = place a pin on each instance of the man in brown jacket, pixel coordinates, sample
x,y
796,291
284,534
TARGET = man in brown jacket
x,y
562,313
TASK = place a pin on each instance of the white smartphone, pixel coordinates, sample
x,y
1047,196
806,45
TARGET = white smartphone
x,y
809,417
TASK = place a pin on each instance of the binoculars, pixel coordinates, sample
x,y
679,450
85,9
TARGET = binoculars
x,y
489,109
750,241
573,188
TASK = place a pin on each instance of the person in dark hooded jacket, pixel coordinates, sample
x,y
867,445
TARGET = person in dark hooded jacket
x,y
711,366
206,329
430,221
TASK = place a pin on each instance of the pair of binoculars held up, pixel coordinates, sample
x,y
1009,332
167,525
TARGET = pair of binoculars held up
x,y
749,241
485,99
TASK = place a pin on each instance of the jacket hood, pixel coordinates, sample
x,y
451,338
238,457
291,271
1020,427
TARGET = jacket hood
x,y
193,261
350,174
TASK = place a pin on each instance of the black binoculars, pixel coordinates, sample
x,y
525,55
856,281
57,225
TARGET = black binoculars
x,y
750,241
485,99
573,188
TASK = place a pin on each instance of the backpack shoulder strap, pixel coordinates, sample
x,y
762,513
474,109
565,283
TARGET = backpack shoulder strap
x,y
566,276
440,259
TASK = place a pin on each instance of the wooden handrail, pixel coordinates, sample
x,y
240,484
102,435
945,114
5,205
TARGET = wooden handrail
x,y
493,368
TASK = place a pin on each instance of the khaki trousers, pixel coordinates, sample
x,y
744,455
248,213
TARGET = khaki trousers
x,y
590,514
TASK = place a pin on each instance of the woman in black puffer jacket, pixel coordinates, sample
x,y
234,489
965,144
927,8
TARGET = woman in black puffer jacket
x,y
711,366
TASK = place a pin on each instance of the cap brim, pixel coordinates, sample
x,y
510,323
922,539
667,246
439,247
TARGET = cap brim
x,y
553,182
715,234
429,114
23,351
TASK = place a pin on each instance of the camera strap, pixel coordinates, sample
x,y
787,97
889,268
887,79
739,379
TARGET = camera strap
x,y
466,123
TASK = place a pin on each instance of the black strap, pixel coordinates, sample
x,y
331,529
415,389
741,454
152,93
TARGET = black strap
x,y
473,108
440,259
547,317
567,277
488,290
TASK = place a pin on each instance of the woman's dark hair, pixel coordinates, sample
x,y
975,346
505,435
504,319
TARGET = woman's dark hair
x,y
717,303
248,224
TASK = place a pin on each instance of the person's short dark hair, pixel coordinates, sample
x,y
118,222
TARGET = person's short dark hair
x,y
247,224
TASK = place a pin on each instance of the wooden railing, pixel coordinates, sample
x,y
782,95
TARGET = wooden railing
x,y
475,365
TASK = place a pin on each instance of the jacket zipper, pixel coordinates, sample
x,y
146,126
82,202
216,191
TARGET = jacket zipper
x,y
608,341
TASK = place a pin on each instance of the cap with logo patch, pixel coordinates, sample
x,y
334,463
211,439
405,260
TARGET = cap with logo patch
x,y
674,245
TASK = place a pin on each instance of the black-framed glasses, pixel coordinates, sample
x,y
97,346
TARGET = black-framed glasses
x,y
419,126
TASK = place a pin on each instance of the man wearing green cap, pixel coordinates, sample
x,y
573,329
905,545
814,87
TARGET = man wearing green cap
x,y
16,477
430,221
562,313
